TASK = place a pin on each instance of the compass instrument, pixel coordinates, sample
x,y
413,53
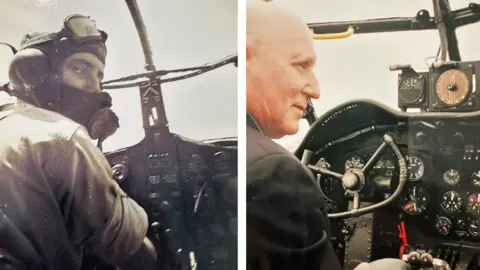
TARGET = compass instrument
x,y
452,87
415,200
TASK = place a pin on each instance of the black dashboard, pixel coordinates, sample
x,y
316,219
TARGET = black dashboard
x,y
188,189
440,202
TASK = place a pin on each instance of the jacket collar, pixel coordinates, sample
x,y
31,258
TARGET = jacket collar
x,y
7,102
251,122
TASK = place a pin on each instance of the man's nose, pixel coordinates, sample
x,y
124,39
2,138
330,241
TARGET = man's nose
x,y
312,90
94,85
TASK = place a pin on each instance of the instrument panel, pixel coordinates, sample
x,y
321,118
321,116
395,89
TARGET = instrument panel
x,y
188,189
448,195
445,87
437,208
442,194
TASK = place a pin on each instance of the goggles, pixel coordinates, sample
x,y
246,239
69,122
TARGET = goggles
x,y
77,28
82,29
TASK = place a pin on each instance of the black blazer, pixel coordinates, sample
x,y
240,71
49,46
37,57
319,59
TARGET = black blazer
x,y
287,226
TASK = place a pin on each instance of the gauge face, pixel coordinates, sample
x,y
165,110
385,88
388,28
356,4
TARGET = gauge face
x,y
411,89
451,201
451,177
415,168
354,162
443,225
415,200
474,227
452,87
473,204
475,177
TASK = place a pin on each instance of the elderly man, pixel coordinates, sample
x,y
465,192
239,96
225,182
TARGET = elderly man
x,y
287,225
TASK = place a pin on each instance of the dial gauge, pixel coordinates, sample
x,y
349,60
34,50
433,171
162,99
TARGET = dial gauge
x,y
451,201
452,87
415,168
411,89
354,162
451,177
475,177
415,200
443,225
473,204
474,227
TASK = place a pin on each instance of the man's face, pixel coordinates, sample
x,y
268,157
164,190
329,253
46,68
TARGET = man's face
x,y
83,71
280,72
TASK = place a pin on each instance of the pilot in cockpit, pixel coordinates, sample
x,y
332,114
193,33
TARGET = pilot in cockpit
x,y
287,224
57,194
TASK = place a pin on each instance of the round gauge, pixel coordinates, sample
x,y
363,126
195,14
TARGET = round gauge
x,y
474,227
415,168
354,162
443,225
452,87
415,200
476,178
451,177
411,89
473,203
451,201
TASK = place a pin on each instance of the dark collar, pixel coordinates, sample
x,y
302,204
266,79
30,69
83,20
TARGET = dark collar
x,y
251,122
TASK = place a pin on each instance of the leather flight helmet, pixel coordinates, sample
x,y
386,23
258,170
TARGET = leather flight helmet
x,y
40,55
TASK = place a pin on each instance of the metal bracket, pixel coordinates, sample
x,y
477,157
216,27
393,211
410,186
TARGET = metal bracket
x,y
153,109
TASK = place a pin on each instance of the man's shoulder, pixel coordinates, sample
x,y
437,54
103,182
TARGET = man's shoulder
x,y
266,158
260,146
41,124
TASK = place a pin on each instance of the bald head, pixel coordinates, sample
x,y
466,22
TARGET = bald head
x,y
280,61
267,23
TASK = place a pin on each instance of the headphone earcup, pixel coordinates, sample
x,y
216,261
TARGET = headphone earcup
x,y
29,68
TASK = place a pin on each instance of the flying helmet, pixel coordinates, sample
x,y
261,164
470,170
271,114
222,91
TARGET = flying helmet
x,y
40,55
